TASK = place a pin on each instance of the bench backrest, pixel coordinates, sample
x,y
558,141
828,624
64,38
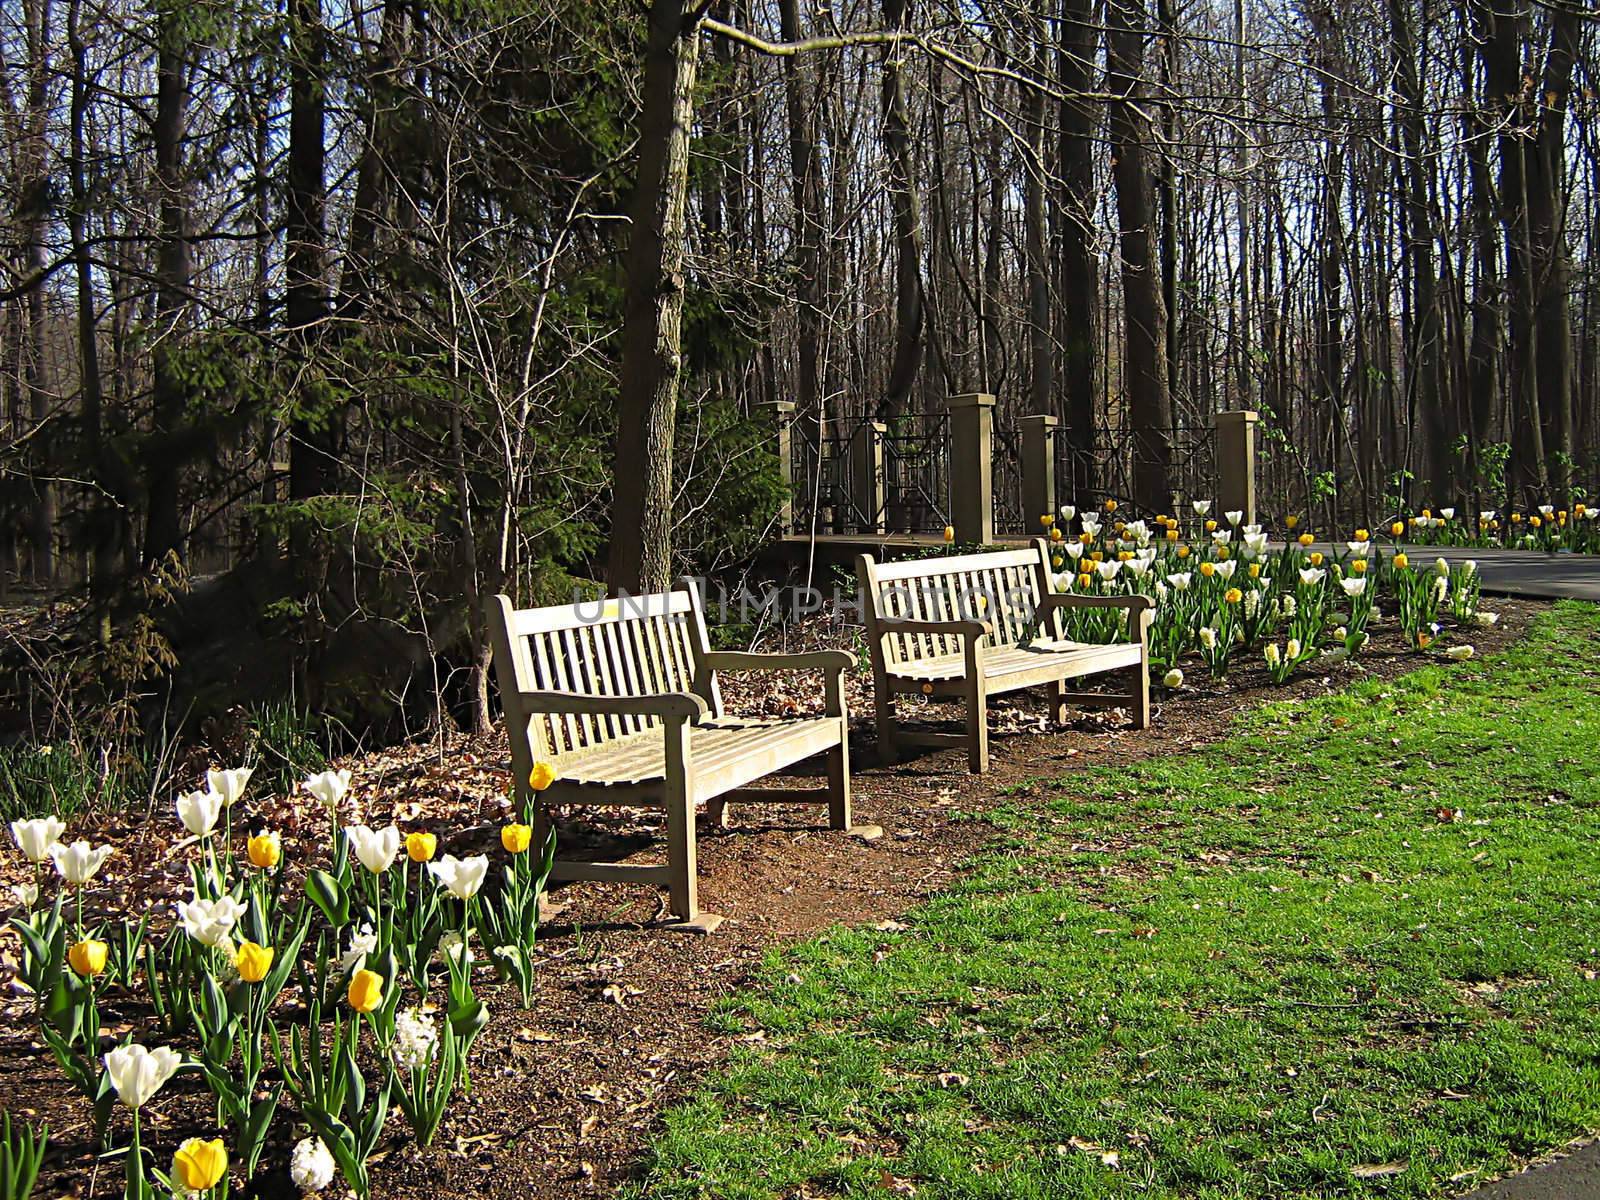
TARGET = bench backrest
x,y
1002,588
626,646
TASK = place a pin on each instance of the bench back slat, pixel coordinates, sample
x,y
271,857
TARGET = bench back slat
x,y
1003,588
629,646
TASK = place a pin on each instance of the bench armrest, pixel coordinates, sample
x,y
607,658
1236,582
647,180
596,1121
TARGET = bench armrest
x,y
814,660
957,628
1054,600
664,704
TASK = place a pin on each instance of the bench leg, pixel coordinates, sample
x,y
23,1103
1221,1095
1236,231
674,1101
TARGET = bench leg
x,y
683,869
1058,702
883,711
1141,696
839,814
978,729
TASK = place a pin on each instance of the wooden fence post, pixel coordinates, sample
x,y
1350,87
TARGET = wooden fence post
x,y
782,415
972,467
1236,462
1038,470
866,475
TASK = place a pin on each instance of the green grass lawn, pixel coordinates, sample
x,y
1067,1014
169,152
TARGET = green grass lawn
x,y
1349,951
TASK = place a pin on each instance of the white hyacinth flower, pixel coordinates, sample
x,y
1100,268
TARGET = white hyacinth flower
x,y
1273,655
210,922
137,1074
375,849
1208,637
199,812
311,1165
35,837
1293,648
78,863
1469,568
416,1039
1441,566
329,787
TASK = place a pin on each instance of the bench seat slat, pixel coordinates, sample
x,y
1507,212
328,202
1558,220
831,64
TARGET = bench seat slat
x,y
1058,660
725,754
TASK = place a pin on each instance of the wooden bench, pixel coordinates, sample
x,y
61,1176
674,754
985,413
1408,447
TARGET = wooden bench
x,y
621,697
978,625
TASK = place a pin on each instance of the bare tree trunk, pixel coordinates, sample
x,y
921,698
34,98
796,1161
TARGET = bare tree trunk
x,y
1080,277
1144,337
33,213
806,184
641,507
908,308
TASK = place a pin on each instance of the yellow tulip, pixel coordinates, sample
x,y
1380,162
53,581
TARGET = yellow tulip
x,y
1208,569
1255,570
1047,520
542,776
1233,595
1579,509
1172,535
1398,528
88,957
253,962
1316,558
1359,566
515,837
1535,522
1211,526
1086,538
1291,521
1055,533
366,990
949,534
1363,535
1427,512
1111,506
420,847
1305,539
265,850
1222,554
200,1165
1401,562
1183,552
1085,582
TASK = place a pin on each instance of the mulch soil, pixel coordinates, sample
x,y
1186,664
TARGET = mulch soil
x,y
567,1095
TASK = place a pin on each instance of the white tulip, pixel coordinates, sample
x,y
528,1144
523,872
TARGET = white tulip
x,y
1547,509
1074,550
1486,515
1293,648
362,943
1234,516
1311,576
1222,537
77,863
375,848
461,877
1353,585
1255,543
311,1166
1359,549
1202,508
1460,653
1181,580
138,1074
199,811
27,894
210,922
34,838
1227,567
1108,569
1173,679
329,787
1449,514
1250,530
229,784
1091,526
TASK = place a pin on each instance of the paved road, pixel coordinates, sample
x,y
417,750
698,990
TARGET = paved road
x,y
1528,573
1575,1177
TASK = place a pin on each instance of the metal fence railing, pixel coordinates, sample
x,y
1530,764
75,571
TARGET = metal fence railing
x,y
1183,462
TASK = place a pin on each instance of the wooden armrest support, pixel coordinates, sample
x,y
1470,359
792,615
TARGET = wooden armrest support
x,y
665,704
813,660
956,628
